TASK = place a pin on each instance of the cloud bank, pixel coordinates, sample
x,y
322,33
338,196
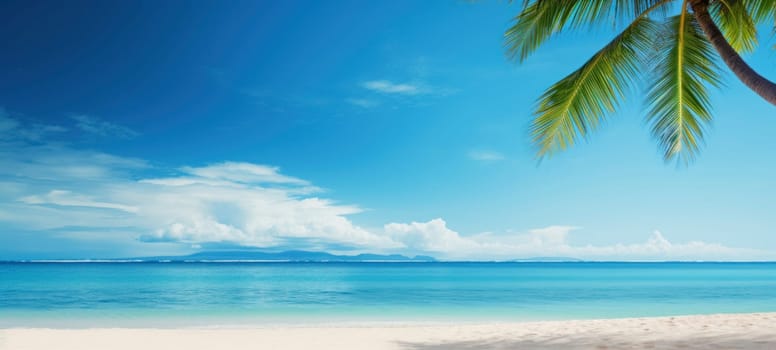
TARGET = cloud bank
x,y
53,188
434,237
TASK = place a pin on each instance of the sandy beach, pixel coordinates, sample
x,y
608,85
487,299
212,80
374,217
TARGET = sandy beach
x,y
722,331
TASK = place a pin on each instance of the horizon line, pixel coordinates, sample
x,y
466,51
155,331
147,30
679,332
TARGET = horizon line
x,y
205,261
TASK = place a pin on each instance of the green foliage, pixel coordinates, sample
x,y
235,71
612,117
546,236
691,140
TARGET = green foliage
x,y
578,103
540,19
762,11
679,101
735,23
674,48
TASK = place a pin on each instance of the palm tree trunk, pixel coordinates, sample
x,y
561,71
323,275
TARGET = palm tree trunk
x,y
763,87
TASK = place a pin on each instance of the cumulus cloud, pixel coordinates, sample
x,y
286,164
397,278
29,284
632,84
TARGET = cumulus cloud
x,y
551,235
434,237
66,190
83,194
101,127
248,214
389,87
56,187
431,236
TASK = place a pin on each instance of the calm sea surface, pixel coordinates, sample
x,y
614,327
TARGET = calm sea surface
x,y
175,294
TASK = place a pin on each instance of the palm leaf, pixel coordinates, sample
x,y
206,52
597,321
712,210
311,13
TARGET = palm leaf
x,y
577,104
735,23
762,11
680,108
541,19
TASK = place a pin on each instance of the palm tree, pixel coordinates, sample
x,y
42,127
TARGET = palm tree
x,y
674,39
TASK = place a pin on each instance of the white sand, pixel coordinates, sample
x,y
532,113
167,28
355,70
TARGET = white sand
x,y
737,331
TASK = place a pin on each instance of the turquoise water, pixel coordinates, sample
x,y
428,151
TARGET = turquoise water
x,y
158,294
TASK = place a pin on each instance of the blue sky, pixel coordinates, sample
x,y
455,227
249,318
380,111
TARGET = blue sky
x,y
146,128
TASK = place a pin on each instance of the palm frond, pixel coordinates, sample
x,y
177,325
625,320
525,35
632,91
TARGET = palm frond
x,y
679,102
762,11
578,103
540,19
733,19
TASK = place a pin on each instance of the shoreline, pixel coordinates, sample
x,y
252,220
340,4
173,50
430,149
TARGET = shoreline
x,y
723,331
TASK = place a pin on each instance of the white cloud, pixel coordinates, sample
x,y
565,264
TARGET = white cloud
x,y
248,214
34,163
435,238
68,199
245,173
432,236
551,235
12,129
657,247
53,187
389,87
486,156
101,127
44,188
37,132
57,188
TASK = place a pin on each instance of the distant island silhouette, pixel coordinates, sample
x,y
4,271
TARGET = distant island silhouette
x,y
291,255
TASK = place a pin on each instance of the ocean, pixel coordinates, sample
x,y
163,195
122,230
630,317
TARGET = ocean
x,y
242,293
